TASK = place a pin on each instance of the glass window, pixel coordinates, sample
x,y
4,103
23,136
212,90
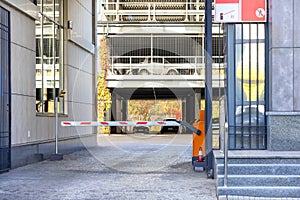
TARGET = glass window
x,y
49,59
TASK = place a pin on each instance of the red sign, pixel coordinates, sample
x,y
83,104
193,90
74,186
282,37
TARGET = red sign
x,y
227,11
227,1
254,10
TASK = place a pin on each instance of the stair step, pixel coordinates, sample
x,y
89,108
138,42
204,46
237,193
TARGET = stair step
x,y
260,180
259,173
257,169
259,161
264,191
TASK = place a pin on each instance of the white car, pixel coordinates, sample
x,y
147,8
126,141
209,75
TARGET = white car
x,y
156,66
169,129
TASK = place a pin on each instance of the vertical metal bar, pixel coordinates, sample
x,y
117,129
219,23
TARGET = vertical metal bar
x,y
42,56
250,85
242,88
151,48
257,86
186,11
208,86
117,4
149,12
9,91
231,84
61,52
266,87
54,53
219,76
225,154
56,124
154,12
234,78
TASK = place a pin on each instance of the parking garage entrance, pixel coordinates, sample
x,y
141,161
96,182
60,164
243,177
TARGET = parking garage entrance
x,y
156,104
5,133
226,63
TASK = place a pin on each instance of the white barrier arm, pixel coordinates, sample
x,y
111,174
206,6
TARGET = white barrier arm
x,y
131,123
119,123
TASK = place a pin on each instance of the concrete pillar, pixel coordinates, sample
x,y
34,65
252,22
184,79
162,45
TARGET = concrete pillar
x,y
284,75
183,108
124,109
113,112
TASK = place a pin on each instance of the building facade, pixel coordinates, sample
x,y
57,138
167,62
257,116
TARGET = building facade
x,y
50,47
284,73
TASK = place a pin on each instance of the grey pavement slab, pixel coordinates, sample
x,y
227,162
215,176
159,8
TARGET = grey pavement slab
x,y
118,167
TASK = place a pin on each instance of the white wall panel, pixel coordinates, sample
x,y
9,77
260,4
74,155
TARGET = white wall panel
x,y
22,71
23,119
22,30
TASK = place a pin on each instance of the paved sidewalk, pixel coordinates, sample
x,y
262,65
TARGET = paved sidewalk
x,y
120,167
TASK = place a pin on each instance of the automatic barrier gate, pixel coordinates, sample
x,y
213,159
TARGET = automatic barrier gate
x,y
198,134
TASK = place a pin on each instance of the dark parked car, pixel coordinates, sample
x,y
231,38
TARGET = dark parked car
x,y
169,129
141,129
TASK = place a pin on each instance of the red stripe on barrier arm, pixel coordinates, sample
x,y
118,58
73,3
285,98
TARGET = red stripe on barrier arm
x,y
85,123
123,123
161,122
67,123
104,123
141,123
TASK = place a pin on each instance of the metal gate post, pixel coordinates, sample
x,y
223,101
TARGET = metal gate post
x,y
208,87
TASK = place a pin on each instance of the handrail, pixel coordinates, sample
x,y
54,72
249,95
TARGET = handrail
x,y
194,63
150,10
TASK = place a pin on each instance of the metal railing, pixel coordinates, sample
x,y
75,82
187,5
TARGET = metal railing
x,y
161,65
250,137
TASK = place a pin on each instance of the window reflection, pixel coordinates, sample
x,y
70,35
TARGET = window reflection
x,y
48,59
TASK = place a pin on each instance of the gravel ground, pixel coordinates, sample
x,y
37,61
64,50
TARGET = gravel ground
x,y
135,166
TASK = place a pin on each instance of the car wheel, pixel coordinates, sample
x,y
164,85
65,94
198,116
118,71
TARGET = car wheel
x,y
144,72
172,72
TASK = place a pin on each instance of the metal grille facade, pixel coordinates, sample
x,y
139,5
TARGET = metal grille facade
x,y
5,133
246,86
184,53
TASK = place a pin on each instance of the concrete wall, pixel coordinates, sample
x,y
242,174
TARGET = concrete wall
x,y
284,85
30,129
79,61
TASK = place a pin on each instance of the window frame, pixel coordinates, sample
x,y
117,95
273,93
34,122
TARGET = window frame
x,y
50,32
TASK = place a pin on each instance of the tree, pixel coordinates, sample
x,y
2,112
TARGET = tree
x,y
154,109
103,93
